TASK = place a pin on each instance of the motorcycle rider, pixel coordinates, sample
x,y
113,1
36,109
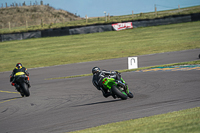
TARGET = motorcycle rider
x,y
98,76
17,71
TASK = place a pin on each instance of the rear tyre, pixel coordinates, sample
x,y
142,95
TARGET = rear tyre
x,y
118,93
25,90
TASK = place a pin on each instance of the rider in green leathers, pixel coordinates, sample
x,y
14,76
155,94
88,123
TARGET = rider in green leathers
x,y
99,75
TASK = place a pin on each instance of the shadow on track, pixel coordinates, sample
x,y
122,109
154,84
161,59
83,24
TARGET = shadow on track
x,y
99,102
7,99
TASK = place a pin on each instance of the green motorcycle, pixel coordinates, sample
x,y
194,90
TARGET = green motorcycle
x,y
117,88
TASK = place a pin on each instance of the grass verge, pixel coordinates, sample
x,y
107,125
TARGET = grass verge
x,y
184,121
41,52
130,70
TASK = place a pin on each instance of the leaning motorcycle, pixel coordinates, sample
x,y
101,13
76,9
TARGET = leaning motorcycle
x,y
22,83
118,88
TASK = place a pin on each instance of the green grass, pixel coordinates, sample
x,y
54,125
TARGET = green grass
x,y
43,52
112,19
184,121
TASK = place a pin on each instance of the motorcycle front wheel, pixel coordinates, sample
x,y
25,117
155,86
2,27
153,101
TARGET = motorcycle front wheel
x,y
130,95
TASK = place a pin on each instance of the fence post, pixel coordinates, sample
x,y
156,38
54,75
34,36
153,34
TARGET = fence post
x,y
41,23
9,25
179,9
155,10
26,24
132,15
105,16
86,18
63,21
41,2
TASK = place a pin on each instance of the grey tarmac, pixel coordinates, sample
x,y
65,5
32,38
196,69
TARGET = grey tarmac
x,y
65,105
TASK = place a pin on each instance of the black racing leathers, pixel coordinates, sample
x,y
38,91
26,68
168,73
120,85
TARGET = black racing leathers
x,y
98,77
17,72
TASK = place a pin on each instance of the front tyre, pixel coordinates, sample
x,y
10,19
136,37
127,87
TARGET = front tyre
x,y
118,93
130,95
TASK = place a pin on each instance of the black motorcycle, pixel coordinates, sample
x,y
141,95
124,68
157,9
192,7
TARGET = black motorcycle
x,y
22,85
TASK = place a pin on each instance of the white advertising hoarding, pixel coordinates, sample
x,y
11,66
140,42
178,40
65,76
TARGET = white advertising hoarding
x,y
132,62
122,26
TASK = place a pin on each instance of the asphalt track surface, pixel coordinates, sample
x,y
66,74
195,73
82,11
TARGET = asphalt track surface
x,y
66,105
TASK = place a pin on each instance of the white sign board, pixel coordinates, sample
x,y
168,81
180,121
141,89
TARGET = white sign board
x,y
132,62
122,26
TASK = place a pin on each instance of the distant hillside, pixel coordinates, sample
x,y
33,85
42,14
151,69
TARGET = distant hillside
x,y
24,18
34,15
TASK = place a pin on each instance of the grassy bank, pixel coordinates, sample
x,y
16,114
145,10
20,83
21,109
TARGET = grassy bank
x,y
43,52
184,121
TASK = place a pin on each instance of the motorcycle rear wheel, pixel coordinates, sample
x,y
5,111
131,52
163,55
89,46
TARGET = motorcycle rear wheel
x,y
118,93
22,94
25,90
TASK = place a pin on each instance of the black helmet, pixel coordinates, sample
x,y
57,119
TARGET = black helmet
x,y
19,65
95,70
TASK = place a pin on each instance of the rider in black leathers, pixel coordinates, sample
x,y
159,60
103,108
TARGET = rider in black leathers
x,y
19,70
98,76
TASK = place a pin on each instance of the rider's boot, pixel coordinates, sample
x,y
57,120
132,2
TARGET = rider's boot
x,y
28,83
113,96
17,87
105,93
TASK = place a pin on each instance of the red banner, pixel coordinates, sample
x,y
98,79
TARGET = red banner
x,y
122,26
